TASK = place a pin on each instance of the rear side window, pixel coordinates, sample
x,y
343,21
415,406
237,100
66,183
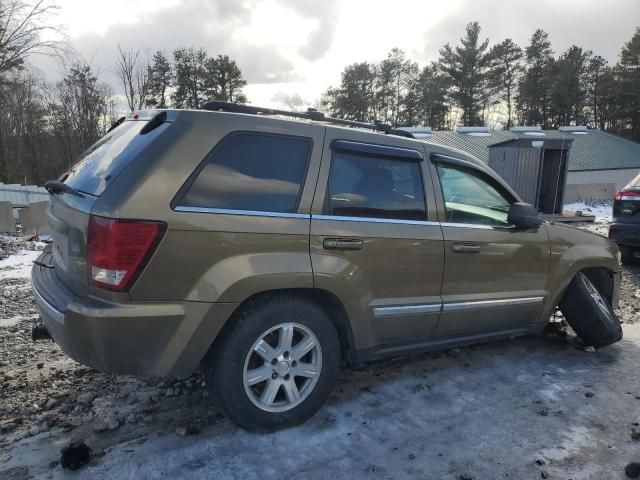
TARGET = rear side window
x,y
108,157
251,171
363,185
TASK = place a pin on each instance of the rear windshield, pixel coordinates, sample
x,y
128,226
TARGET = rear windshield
x,y
106,158
635,182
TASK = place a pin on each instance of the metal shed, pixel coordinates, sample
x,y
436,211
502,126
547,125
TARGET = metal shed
x,y
535,167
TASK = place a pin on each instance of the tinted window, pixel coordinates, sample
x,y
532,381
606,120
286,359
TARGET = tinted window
x,y
106,158
249,171
373,186
471,197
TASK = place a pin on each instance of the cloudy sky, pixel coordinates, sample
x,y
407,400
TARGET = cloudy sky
x,y
301,46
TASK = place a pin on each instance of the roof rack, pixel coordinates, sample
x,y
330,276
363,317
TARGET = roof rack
x,y
310,114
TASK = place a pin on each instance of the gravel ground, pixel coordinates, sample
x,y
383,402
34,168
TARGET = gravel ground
x,y
535,407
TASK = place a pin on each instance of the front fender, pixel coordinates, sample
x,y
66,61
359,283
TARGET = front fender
x,y
573,250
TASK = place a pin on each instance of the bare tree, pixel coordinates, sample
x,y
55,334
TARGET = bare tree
x,y
133,72
293,101
23,25
79,108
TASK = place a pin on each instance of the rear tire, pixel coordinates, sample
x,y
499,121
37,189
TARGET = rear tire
x,y
629,255
277,365
589,313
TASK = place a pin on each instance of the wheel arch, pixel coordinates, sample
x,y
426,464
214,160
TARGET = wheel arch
x,y
605,278
324,299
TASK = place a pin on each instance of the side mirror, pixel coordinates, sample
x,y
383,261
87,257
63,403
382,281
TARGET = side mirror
x,y
524,216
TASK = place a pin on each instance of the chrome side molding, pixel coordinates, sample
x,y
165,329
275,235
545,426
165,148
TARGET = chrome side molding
x,y
452,306
339,218
249,213
504,302
407,310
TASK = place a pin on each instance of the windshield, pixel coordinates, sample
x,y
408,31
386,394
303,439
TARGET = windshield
x,y
106,158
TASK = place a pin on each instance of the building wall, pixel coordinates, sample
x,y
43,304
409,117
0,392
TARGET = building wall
x,y
618,177
519,167
598,185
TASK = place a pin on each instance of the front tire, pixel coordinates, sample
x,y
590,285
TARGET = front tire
x,y
589,313
277,365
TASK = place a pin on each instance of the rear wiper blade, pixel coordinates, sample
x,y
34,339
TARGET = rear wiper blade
x,y
55,186
117,123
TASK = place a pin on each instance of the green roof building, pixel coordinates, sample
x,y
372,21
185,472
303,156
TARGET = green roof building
x,y
599,163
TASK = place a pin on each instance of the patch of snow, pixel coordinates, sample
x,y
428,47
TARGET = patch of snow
x,y
18,265
603,211
10,322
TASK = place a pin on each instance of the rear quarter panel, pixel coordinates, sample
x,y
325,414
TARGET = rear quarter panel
x,y
208,257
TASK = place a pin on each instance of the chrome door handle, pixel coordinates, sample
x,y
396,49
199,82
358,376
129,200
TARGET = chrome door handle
x,y
342,244
465,247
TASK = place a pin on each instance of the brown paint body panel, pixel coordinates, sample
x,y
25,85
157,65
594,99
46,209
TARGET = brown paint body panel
x,y
507,265
396,280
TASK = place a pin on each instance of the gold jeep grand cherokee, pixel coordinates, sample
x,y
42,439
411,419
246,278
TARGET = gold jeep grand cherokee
x,y
273,249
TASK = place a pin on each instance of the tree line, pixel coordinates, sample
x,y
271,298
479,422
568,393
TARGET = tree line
x,y
45,126
500,85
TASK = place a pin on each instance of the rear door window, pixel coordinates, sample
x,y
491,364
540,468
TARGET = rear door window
x,y
375,186
251,171
108,157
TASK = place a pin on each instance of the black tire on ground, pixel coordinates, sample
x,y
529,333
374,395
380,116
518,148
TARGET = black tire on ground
x,y
224,365
589,313
630,256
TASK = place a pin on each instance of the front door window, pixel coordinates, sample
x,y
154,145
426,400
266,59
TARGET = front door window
x,y
473,198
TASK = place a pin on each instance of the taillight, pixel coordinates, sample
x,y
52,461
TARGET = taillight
x,y
622,195
118,250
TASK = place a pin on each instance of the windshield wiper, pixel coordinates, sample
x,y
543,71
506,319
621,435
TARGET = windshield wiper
x,y
117,123
55,186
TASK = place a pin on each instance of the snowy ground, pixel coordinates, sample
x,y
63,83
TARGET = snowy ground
x,y
536,407
600,208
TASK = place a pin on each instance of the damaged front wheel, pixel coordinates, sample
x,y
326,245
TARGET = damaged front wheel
x,y
589,313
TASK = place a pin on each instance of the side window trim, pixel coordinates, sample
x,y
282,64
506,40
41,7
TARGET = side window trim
x,y
183,190
375,149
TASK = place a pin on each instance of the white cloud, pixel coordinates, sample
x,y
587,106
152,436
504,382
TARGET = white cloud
x,y
301,46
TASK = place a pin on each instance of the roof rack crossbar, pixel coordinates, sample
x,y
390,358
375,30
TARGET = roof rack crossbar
x,y
310,114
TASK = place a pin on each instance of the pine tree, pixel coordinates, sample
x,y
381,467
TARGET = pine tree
x,y
391,86
535,86
597,70
430,93
224,80
160,78
628,74
354,98
507,67
569,90
468,68
190,77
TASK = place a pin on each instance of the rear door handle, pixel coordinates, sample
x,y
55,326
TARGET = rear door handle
x,y
342,244
465,247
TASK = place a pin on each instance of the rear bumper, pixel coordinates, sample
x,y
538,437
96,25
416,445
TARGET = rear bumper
x,y
625,233
136,338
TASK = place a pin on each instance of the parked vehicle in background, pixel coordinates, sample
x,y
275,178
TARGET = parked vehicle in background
x,y
625,229
272,250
